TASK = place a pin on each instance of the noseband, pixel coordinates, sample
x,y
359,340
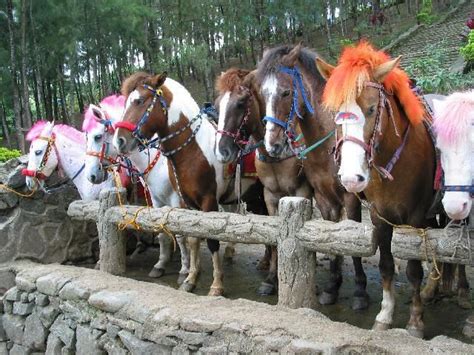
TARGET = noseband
x,y
38,173
370,148
103,153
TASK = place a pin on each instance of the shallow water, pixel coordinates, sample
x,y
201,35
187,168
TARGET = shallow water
x,y
443,317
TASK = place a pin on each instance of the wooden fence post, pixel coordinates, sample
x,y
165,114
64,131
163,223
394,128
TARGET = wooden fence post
x,y
468,329
296,264
112,241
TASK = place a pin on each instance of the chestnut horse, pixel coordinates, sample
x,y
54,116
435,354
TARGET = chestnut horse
x,y
292,87
157,104
241,110
385,152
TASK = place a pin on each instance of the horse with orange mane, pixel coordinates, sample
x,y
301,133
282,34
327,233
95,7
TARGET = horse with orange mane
x,y
385,152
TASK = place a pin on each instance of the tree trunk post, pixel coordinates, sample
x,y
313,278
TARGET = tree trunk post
x,y
296,265
112,240
468,329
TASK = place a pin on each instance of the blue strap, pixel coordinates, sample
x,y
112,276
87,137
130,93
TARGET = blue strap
x,y
78,172
276,121
298,87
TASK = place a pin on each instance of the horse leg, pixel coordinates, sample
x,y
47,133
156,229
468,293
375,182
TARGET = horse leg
x,y
184,271
264,264
331,292
383,234
229,251
464,295
165,256
431,288
194,266
415,324
217,287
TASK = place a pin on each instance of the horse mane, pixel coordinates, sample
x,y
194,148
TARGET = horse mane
x,y
113,105
230,79
133,81
271,61
452,124
35,130
355,67
70,133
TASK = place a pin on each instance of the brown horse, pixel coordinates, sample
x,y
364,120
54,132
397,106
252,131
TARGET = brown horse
x,y
241,110
385,152
157,104
292,87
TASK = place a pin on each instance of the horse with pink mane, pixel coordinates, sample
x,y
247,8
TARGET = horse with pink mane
x,y
58,146
454,126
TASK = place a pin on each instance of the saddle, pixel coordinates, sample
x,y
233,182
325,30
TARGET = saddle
x,y
247,167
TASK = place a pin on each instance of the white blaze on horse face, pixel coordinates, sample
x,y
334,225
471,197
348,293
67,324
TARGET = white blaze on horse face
x,y
221,123
95,140
458,167
353,172
269,91
35,156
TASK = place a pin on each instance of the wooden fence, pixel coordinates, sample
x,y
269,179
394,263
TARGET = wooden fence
x,y
295,234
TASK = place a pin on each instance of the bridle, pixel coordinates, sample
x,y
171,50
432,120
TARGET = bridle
x,y
240,136
371,147
103,153
38,173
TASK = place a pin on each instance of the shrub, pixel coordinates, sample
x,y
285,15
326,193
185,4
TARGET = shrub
x,y
468,50
425,15
7,154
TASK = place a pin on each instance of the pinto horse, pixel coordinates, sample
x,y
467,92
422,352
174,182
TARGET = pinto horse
x,y
148,166
157,104
292,87
385,152
241,110
63,147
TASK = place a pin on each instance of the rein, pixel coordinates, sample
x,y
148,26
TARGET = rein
x,y
385,172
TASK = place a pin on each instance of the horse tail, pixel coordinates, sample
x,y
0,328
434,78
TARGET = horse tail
x,y
448,272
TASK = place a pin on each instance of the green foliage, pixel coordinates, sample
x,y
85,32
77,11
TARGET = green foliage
x,y
7,154
346,42
432,77
425,15
468,50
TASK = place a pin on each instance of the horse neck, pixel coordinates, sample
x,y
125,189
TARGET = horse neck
x,y
71,159
256,113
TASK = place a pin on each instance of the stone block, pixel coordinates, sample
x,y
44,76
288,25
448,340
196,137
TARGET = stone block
x,y
76,311
112,346
109,301
7,307
3,334
25,284
42,300
2,309
112,330
199,325
35,333
14,327
13,294
20,350
74,291
141,347
3,348
99,322
24,297
53,345
51,284
87,341
48,315
191,338
181,349
301,346
31,297
61,329
211,350
23,309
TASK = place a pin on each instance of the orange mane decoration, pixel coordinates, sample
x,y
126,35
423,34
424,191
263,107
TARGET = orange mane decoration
x,y
230,79
355,67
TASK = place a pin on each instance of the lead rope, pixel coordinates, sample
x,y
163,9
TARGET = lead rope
x,y
9,189
422,232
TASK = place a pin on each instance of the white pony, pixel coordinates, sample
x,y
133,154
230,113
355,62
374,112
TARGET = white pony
x,y
98,124
59,146
454,126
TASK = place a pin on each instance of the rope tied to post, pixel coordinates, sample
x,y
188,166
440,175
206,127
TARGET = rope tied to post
x,y
9,189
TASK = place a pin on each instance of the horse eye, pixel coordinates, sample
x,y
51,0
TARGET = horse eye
x,y
98,137
285,93
139,101
371,111
38,152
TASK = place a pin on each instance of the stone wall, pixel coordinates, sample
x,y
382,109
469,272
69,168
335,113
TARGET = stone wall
x,y
63,310
38,228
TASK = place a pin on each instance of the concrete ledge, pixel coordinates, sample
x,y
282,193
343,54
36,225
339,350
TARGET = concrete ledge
x,y
79,310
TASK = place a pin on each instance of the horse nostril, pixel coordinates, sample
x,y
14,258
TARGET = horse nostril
x,y
226,153
360,178
277,148
464,206
93,177
121,142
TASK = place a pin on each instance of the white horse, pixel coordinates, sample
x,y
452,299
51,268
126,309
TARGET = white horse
x,y
98,124
59,146
454,126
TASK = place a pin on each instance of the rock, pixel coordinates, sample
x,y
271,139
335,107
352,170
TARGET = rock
x,y
75,311
67,351
24,284
31,297
35,333
23,309
15,179
74,291
20,350
54,345
87,341
112,346
100,322
42,300
191,338
24,297
7,307
3,334
14,327
181,349
51,284
12,294
61,329
48,314
300,346
3,348
198,325
112,330
141,347
109,301
220,349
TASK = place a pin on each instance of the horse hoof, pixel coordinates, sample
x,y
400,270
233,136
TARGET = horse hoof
x,y
181,278
415,332
187,287
266,289
380,326
360,303
427,294
216,291
327,298
156,273
263,265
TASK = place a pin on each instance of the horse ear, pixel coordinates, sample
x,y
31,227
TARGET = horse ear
x,y
438,106
97,112
291,58
325,69
249,79
159,80
381,72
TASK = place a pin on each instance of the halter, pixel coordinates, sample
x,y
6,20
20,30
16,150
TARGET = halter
x,y
370,148
103,153
38,173
298,89
240,136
